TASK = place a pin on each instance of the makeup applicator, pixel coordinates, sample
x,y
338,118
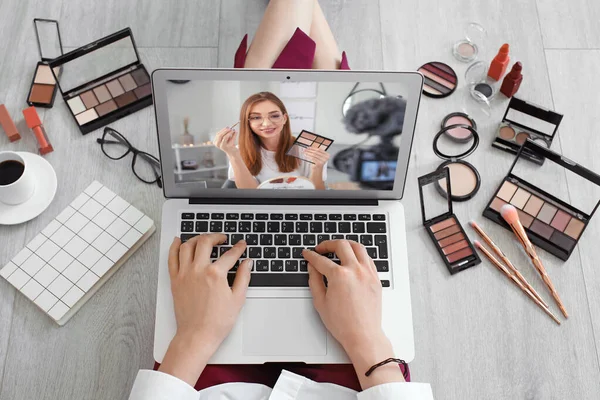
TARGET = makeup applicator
x,y
510,215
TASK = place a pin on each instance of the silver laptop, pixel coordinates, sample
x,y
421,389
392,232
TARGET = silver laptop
x,y
361,123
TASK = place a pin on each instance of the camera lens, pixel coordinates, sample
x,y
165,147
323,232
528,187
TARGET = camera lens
x,y
288,77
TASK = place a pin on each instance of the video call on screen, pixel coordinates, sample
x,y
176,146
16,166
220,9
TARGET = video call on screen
x,y
307,135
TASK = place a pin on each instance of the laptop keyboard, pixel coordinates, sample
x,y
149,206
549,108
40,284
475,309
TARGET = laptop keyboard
x,y
275,241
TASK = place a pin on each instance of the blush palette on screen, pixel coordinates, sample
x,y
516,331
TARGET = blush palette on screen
x,y
305,140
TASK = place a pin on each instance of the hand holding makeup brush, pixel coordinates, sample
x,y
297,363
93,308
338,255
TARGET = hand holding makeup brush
x,y
511,216
226,140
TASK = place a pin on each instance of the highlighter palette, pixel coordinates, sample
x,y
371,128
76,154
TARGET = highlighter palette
x,y
305,140
444,229
103,81
550,223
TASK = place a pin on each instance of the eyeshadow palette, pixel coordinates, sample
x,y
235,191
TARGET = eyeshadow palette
x,y
442,226
104,81
305,140
440,79
42,91
550,223
522,121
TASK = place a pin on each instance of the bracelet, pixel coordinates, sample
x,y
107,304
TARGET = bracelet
x,y
389,360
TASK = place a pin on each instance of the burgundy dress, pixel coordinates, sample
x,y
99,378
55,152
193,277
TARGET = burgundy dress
x,y
298,53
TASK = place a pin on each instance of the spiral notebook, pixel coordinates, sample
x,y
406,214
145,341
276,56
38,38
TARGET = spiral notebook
x,y
71,258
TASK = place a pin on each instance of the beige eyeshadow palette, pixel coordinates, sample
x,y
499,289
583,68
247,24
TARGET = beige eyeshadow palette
x,y
42,91
522,121
103,81
551,223
442,226
305,140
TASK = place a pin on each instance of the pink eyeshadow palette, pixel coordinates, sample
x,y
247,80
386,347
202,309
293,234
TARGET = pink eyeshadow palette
x,y
444,229
550,223
305,140
440,79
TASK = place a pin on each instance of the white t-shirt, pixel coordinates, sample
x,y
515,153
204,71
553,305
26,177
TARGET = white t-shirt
x,y
270,169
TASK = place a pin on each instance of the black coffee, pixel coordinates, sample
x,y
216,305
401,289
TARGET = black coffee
x,y
10,172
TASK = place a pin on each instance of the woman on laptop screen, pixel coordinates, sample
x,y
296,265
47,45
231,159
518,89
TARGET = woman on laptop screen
x,y
267,150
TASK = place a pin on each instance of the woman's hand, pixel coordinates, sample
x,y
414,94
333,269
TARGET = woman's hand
x,y
225,140
350,307
206,308
319,157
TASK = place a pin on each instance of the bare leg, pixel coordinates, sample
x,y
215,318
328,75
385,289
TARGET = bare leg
x,y
327,54
281,19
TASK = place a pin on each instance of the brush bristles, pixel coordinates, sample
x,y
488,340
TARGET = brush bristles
x,y
509,213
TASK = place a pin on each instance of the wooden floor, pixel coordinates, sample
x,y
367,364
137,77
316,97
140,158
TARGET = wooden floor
x,y
477,337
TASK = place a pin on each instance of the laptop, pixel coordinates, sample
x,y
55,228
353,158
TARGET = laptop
x,y
344,139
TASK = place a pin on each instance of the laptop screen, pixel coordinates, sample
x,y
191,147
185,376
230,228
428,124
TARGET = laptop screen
x,y
278,135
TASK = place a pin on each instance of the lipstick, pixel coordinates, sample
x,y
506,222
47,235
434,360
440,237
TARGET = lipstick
x,y
35,124
8,125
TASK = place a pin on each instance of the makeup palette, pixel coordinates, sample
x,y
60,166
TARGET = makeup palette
x,y
480,87
440,79
551,223
42,91
104,81
522,121
305,140
444,229
465,178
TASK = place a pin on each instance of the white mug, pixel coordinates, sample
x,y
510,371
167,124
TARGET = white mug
x,y
21,189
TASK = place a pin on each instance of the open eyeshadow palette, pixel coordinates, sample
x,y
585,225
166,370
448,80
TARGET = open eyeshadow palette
x,y
550,223
42,91
522,121
440,79
305,140
72,257
444,229
103,81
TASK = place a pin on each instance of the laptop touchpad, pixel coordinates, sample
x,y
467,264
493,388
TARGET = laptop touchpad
x,y
282,327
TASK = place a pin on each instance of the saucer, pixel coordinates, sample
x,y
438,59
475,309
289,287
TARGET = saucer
x,y
45,189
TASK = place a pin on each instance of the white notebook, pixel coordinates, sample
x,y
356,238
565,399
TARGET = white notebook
x,y
72,257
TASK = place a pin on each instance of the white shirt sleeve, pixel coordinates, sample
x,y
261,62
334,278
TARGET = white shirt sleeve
x,y
398,391
155,385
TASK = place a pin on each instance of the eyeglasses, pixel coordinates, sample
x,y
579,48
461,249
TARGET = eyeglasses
x,y
256,120
115,146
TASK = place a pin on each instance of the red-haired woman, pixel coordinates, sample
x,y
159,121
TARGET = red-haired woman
x,y
265,136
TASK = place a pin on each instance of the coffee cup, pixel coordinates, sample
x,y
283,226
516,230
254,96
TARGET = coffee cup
x,y
16,179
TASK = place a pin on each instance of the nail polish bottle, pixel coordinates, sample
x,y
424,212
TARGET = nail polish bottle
x,y
499,63
513,80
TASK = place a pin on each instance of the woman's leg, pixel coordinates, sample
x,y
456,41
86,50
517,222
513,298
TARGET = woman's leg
x,y
281,19
327,54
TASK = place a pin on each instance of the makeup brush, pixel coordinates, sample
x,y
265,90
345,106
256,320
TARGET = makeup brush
x,y
510,215
506,261
234,125
513,278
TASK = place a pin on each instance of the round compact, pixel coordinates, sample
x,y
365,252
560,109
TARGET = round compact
x,y
465,180
467,49
440,79
480,89
459,134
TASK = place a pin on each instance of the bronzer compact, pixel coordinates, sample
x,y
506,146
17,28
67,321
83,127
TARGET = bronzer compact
x,y
453,143
553,218
442,226
522,121
42,91
103,81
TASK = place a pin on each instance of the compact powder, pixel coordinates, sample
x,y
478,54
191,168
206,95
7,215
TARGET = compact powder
x,y
497,204
455,247
463,179
533,206
447,232
107,107
140,76
442,225
143,91
484,89
574,228
562,241
458,133
115,88
466,50
451,239
459,255
507,190
560,220
87,116
41,93
541,229
76,105
102,94
125,99
506,133
89,99
521,137
547,213
44,75
525,219
127,82
520,198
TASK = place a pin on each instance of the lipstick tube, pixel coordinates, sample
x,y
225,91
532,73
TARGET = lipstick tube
x,y
35,124
8,125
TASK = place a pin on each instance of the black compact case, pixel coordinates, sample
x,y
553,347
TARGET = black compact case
x,y
104,81
550,223
522,121
444,229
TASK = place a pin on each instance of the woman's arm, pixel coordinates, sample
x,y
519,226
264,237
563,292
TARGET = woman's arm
x,y
205,307
225,140
319,158
350,307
